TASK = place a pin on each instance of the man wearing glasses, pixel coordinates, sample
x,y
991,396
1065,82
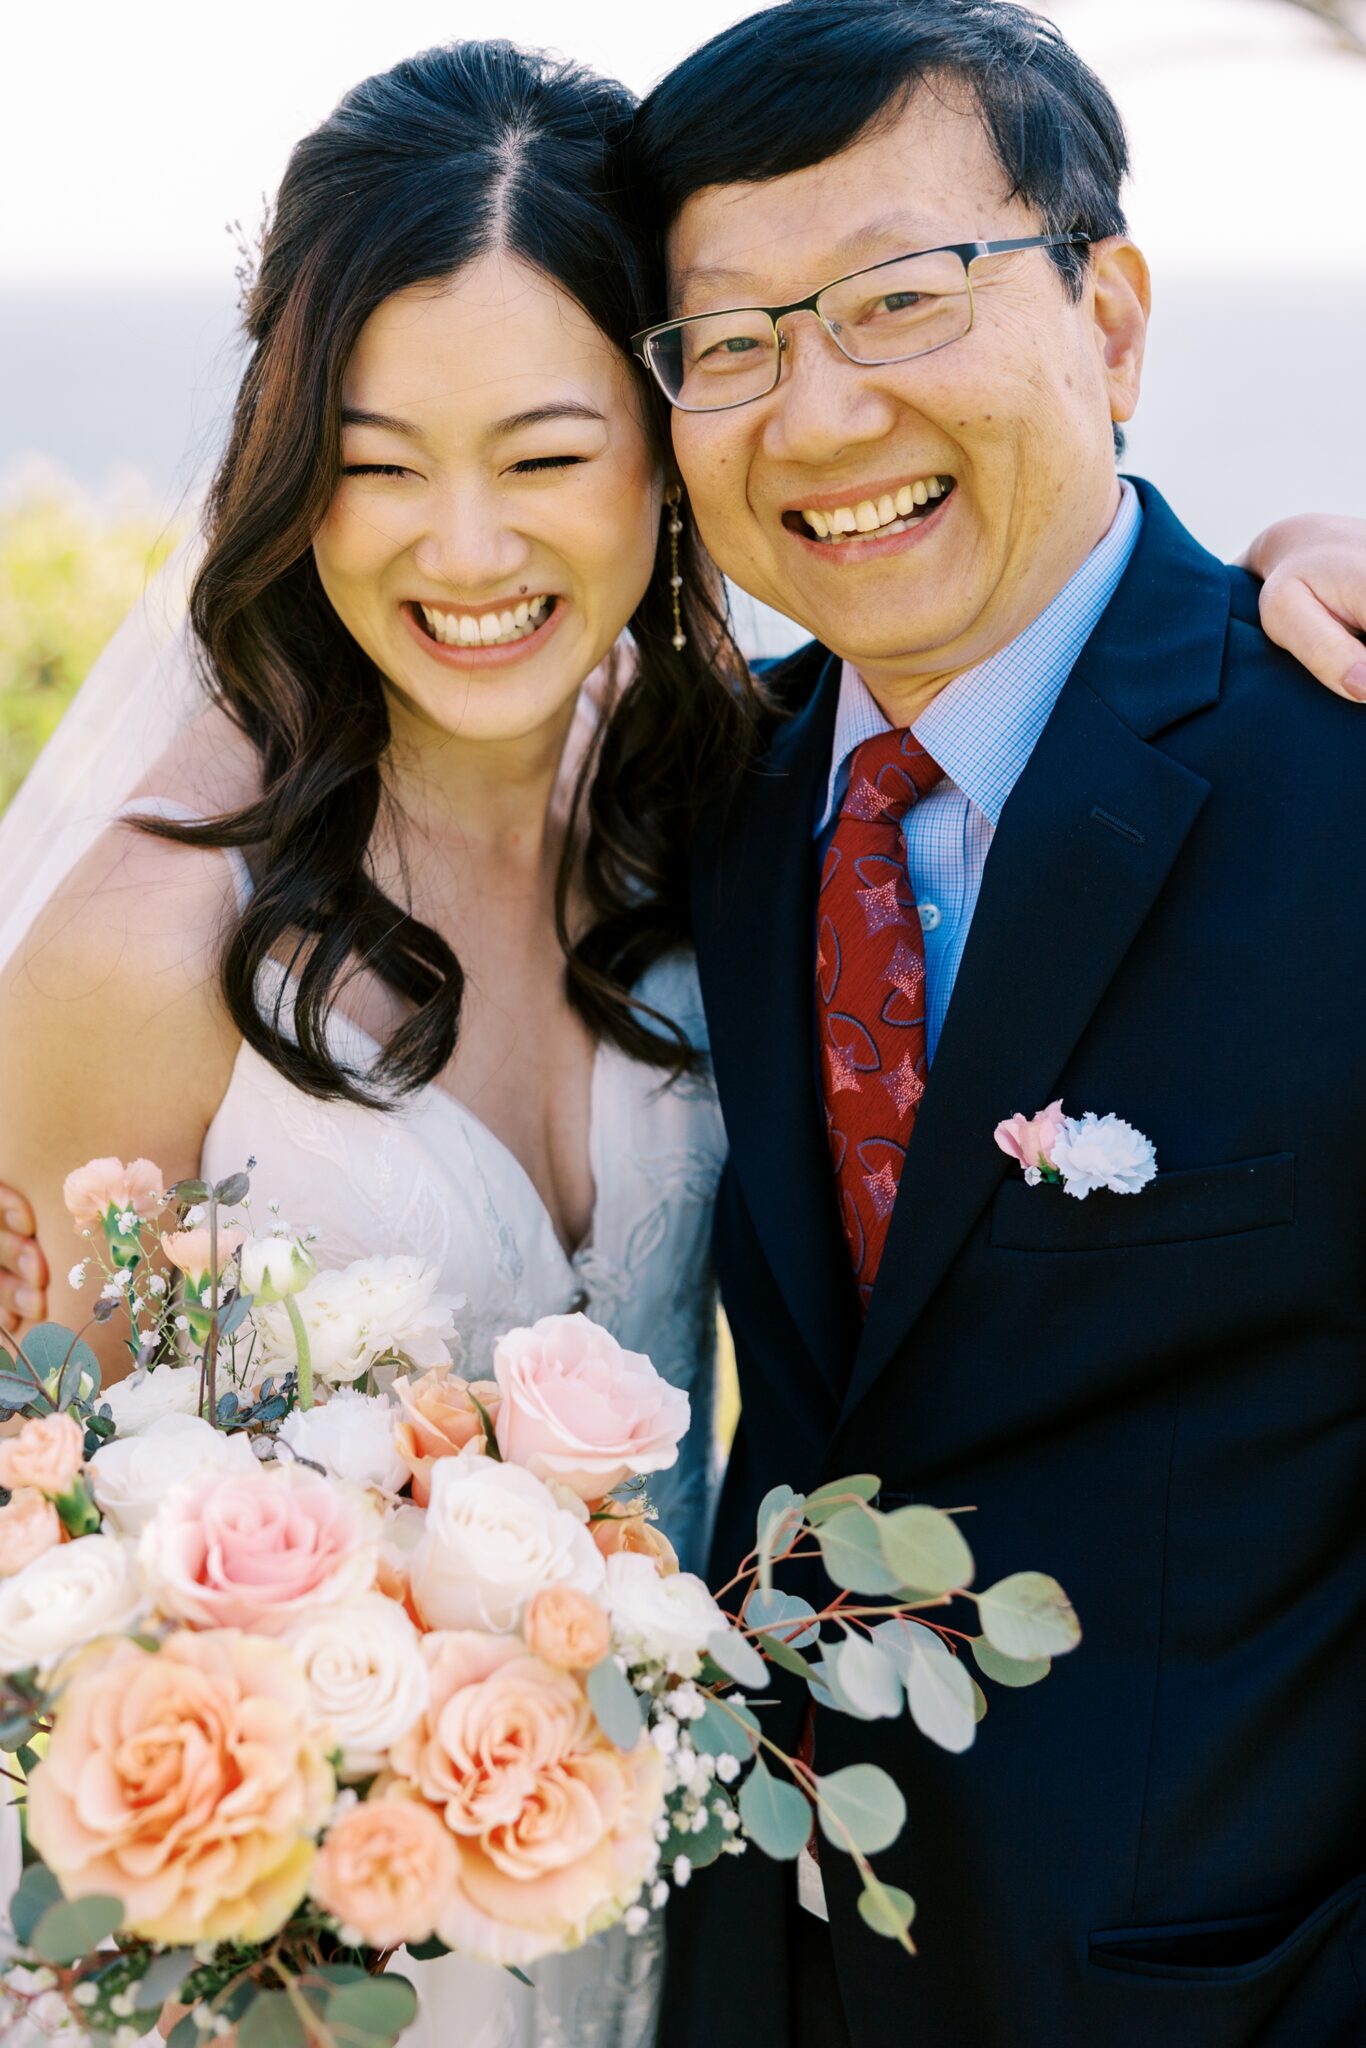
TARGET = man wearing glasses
x,y
1043,815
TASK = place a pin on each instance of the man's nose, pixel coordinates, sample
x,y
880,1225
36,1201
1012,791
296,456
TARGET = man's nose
x,y
824,404
468,545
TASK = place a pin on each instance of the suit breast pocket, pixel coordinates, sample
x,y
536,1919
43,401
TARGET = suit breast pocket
x,y
1175,1208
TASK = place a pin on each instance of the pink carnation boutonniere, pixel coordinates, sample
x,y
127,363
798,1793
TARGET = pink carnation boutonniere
x,y
1079,1153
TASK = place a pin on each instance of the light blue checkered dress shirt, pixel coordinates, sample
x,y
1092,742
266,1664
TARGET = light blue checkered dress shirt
x,y
981,729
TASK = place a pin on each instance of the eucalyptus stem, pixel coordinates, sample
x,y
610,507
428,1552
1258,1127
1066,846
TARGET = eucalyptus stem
x,y
304,1350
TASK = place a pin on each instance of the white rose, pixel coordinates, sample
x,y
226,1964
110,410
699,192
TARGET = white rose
x,y
375,1308
495,1536
368,1677
352,1437
66,1598
273,1267
137,1403
663,1620
129,1475
1103,1152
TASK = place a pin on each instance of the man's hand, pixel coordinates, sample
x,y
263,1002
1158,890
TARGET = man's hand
x,y
23,1269
1314,595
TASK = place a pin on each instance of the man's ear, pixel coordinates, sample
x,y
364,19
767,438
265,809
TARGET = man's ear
x,y
1121,301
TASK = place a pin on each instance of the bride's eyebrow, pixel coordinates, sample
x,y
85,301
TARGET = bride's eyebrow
x,y
352,417
538,415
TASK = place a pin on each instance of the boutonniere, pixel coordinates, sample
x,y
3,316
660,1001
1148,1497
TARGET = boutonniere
x,y
1080,1153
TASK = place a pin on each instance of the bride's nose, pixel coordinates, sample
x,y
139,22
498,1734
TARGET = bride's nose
x,y
468,543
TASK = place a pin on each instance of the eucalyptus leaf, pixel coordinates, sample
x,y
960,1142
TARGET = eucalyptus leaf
x,y
48,1346
38,1890
272,2020
827,1500
234,1315
1015,1671
940,1692
888,1910
185,2034
867,1677
826,1691
235,1189
73,1928
1028,1615
427,1951
737,1657
162,1979
775,1816
778,1652
16,1392
979,1702
780,1613
616,1704
925,1550
375,2012
864,1803
725,1729
852,1552
779,1513
900,1637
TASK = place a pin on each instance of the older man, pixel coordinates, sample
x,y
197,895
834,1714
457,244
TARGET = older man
x,y
1049,817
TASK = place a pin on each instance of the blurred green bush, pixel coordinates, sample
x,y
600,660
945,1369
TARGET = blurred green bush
x,y
69,570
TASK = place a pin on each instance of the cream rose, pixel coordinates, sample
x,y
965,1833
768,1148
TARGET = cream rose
x,y
494,1536
136,1403
258,1549
366,1675
370,1310
129,1475
352,1437
386,1870
579,1409
211,1787
438,1419
66,1598
47,1455
29,1525
665,1619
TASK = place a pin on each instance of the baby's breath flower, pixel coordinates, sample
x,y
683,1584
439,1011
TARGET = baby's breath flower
x,y
76,1277
635,1919
682,1871
727,1768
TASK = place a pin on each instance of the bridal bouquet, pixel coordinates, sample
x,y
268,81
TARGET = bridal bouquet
x,y
312,1649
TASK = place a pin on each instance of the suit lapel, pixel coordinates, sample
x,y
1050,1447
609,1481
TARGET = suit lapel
x,y
754,913
1084,845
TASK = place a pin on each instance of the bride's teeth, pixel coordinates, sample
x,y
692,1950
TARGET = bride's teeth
x,y
865,516
489,628
886,509
818,523
521,615
842,520
905,502
935,488
921,492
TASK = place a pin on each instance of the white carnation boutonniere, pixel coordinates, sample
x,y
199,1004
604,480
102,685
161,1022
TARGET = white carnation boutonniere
x,y
1079,1153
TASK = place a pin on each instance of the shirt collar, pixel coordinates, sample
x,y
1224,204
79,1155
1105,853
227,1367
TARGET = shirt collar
x,y
984,725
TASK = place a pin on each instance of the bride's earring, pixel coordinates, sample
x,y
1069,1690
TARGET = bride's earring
x,y
673,498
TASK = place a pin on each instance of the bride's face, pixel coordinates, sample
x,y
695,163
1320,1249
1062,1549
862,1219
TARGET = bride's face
x,y
494,525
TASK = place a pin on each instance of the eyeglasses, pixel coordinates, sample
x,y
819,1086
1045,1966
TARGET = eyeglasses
x,y
906,307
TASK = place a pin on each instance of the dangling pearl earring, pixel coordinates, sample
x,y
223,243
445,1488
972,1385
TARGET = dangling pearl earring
x,y
673,498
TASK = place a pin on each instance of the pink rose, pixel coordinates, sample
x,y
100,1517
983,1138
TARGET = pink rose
x,y
580,1411
104,1184
189,1250
1031,1139
29,1525
255,1549
189,1783
47,1455
387,1870
555,1827
438,1420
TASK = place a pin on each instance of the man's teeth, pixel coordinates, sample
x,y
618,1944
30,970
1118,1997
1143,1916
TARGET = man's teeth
x,y
893,510
486,629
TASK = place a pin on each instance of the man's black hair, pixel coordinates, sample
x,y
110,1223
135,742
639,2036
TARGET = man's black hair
x,y
797,83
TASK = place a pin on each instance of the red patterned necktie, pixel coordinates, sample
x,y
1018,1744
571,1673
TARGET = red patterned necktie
x,y
870,991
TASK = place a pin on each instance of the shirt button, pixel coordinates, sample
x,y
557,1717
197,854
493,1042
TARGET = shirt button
x,y
931,916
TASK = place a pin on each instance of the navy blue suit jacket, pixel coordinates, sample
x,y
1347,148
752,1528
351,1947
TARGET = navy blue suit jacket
x,y
1161,1399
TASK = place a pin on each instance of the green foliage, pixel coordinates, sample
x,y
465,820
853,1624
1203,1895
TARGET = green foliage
x,y
1028,1615
860,1805
776,1816
72,1928
68,574
616,1704
888,1910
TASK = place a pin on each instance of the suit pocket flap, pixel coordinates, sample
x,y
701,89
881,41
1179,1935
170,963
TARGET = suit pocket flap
x,y
1201,1201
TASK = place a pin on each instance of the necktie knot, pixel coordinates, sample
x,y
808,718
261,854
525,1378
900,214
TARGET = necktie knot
x,y
888,775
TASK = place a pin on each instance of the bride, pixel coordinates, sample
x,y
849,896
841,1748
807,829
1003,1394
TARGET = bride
x,y
399,910
375,867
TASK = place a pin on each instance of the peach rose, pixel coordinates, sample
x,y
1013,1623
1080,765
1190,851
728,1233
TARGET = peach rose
x,y
190,1251
386,1870
47,1455
637,1536
554,1827
104,1184
255,1549
565,1628
29,1525
438,1420
580,1411
188,1783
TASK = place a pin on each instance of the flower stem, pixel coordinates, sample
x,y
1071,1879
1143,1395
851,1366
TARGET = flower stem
x,y
301,1346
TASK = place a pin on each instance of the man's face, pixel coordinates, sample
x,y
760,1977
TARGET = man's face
x,y
1011,423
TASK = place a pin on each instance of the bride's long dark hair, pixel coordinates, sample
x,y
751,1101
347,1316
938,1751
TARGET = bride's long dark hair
x,y
459,151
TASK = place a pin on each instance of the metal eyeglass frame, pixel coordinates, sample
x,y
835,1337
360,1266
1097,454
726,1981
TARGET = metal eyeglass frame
x,y
967,252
